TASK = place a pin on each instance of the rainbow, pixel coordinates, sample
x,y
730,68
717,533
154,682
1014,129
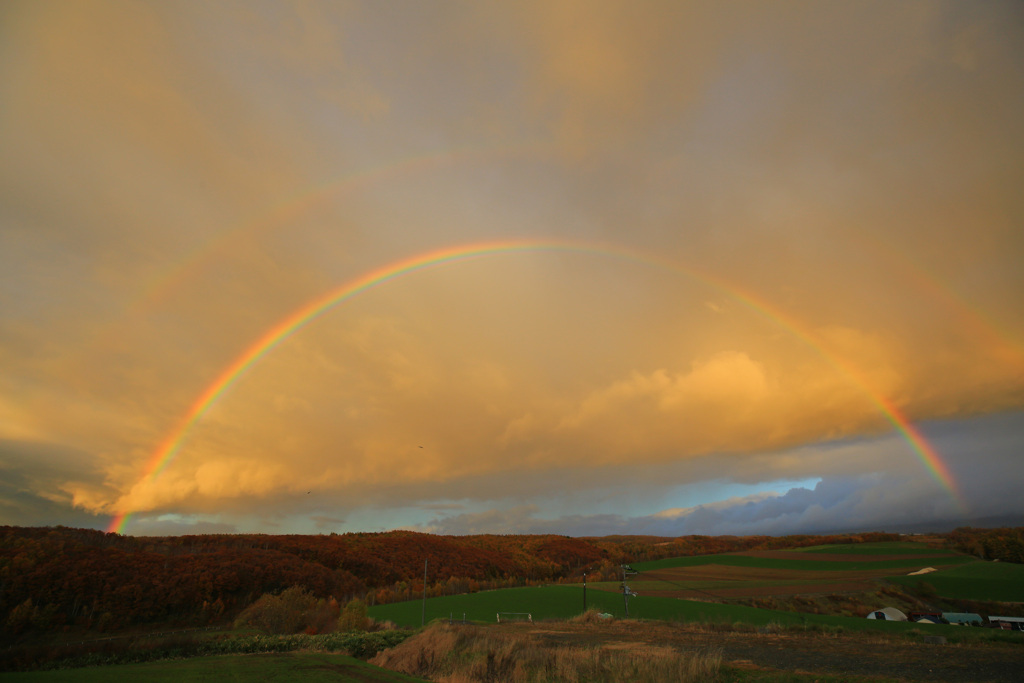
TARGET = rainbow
x,y
315,308
924,450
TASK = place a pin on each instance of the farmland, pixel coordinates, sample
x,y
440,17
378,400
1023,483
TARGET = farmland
x,y
1002,582
755,640
816,570
711,588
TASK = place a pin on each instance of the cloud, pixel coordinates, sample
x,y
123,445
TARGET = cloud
x,y
46,484
440,507
676,513
834,187
876,484
835,505
596,65
177,525
327,522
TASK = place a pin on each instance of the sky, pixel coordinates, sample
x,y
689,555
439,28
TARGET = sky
x,y
536,267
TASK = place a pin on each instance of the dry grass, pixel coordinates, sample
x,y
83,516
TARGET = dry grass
x,y
591,616
463,654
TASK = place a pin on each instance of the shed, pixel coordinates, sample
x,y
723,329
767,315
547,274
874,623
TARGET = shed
x,y
932,617
1012,623
963,618
888,614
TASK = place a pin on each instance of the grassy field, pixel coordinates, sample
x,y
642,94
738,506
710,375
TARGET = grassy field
x,y
312,667
543,602
665,598
562,602
797,563
656,585
977,580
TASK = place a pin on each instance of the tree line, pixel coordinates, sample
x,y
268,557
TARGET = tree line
x,y
1003,544
59,578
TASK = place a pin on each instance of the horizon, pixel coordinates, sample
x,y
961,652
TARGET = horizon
x,y
924,530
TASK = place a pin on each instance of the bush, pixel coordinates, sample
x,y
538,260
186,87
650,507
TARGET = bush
x,y
294,610
591,616
20,617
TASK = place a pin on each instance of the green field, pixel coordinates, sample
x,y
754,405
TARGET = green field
x,y
794,564
887,548
647,587
543,602
998,581
284,667
562,602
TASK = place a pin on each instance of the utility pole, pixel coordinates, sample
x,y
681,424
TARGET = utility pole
x,y
626,590
423,613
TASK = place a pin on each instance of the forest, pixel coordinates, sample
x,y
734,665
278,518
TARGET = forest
x,y
65,579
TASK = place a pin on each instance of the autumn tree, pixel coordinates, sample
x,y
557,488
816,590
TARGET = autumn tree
x,y
353,617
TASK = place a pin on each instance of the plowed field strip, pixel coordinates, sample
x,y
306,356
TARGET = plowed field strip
x,y
838,557
648,586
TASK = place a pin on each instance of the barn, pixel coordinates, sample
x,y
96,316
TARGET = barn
x,y
963,618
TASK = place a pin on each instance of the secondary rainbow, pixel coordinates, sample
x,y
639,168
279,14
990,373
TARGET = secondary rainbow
x,y
273,216
309,312
969,318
